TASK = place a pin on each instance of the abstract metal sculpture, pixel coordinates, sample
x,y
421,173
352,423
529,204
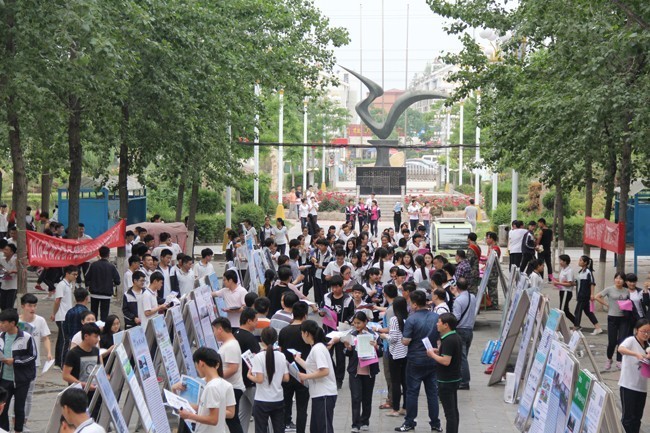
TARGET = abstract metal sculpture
x,y
383,130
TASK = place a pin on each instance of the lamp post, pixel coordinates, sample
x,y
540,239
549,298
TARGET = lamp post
x,y
460,142
477,156
304,149
448,152
279,213
256,153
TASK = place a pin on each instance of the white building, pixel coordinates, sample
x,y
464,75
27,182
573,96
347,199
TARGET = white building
x,y
434,77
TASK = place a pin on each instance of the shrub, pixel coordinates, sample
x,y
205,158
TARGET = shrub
x,y
504,193
573,230
210,202
549,203
466,188
534,193
249,211
246,192
499,216
211,227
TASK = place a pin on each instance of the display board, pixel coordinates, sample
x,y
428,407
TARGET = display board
x,y
192,324
516,316
110,411
381,180
528,341
578,340
552,401
204,293
255,280
164,353
581,393
181,341
601,416
54,424
145,371
491,262
206,314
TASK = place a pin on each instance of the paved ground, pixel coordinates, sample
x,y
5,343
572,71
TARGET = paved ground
x,y
482,408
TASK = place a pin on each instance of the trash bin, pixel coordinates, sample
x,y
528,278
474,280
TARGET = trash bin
x,y
503,235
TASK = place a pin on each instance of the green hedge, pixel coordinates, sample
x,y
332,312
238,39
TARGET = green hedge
x,y
501,215
210,202
249,211
548,201
245,188
504,193
573,230
211,227
466,188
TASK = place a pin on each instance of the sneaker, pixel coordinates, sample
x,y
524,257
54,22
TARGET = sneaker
x,y
436,428
618,365
608,365
365,427
290,427
354,429
597,331
39,287
405,427
339,385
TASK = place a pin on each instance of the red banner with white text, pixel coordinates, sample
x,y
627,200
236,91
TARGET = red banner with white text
x,y
50,252
605,234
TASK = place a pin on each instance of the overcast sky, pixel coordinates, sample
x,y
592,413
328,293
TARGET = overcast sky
x,y
426,37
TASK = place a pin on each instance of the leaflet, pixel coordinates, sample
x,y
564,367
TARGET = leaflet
x,y
193,388
177,402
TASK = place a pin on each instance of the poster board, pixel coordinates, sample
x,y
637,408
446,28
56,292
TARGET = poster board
x,y
510,333
205,317
123,373
530,331
181,342
145,372
579,402
164,353
110,409
252,269
213,281
205,294
492,262
601,416
192,325
578,339
552,401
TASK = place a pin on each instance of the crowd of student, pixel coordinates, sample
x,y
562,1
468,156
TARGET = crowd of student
x,y
415,309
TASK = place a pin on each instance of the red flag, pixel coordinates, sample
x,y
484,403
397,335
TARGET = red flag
x,y
51,252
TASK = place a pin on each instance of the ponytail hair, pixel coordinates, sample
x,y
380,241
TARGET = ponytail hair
x,y
589,262
269,337
420,262
312,328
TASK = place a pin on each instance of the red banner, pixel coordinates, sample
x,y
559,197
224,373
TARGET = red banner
x,y
51,252
605,234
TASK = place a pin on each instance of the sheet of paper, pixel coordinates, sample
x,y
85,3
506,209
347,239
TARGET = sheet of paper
x,y
248,358
177,402
427,343
364,348
294,352
293,370
330,319
48,365
193,389
118,337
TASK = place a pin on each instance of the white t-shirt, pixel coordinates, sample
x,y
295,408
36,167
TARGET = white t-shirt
x,y
515,237
631,377
413,211
536,280
471,213
63,291
39,330
11,281
233,299
201,271
303,210
385,274
218,393
566,275
90,426
333,269
185,281
231,354
3,222
266,391
280,235
128,279
149,301
319,357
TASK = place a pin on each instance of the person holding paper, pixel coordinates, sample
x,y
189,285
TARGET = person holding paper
x,y
17,367
319,374
632,384
448,357
362,370
41,334
247,341
420,369
268,372
616,321
149,300
340,303
217,401
233,294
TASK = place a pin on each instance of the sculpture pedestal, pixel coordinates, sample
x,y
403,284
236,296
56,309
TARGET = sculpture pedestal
x,y
383,153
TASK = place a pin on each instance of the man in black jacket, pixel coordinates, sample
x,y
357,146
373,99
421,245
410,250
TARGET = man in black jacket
x,y
101,279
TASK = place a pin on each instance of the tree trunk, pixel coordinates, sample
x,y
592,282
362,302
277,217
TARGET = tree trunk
x,y
560,215
194,200
589,194
46,190
179,201
122,184
626,178
610,175
74,178
19,196
1,178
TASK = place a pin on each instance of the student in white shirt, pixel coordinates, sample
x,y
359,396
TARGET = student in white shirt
x,y
9,287
182,278
149,300
320,377
233,295
217,401
535,277
334,267
62,303
74,408
515,237
39,330
230,353
134,265
268,372
203,267
565,283
166,243
280,235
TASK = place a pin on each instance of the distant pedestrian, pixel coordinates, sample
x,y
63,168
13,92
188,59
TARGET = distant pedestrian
x,y
101,279
471,214
465,311
632,384
585,295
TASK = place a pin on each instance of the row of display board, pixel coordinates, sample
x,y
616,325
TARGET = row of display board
x,y
553,393
129,380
